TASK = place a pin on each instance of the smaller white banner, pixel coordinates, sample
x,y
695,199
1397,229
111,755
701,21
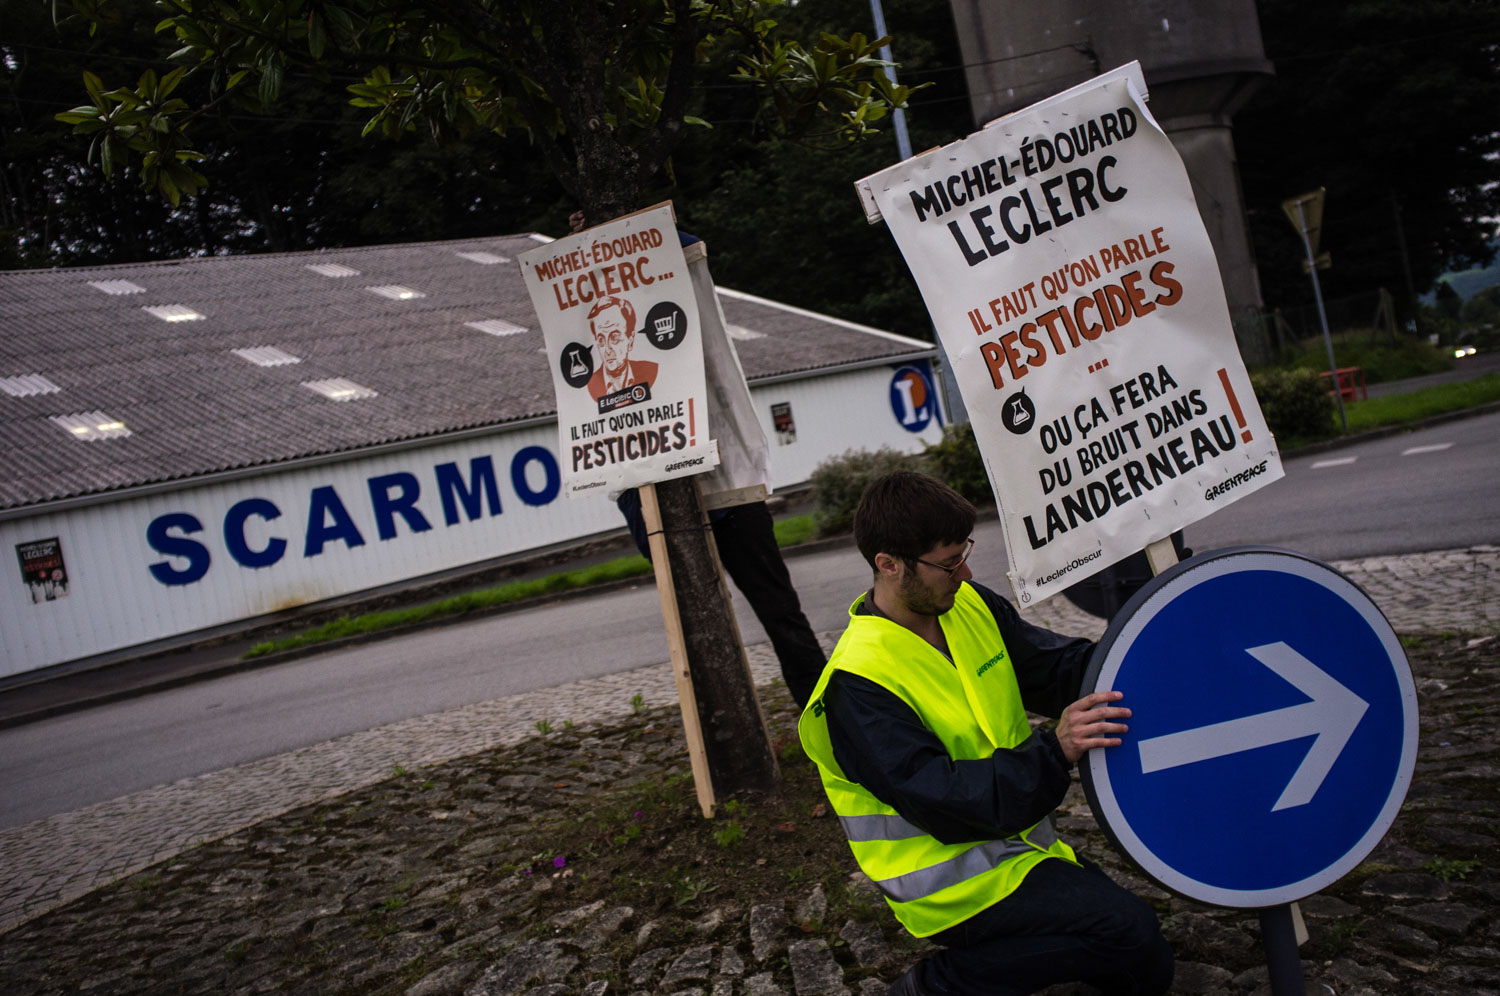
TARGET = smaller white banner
x,y
624,340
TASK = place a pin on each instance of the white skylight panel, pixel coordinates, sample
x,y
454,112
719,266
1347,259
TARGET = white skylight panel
x,y
174,312
26,385
333,270
89,426
117,287
266,356
486,258
396,292
742,333
339,389
496,326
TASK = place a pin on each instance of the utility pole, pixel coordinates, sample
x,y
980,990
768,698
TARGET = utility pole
x,y
954,406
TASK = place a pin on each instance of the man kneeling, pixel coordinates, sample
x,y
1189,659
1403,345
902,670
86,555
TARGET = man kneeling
x,y
918,727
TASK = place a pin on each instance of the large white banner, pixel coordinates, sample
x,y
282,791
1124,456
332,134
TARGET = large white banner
x,y
622,332
1069,275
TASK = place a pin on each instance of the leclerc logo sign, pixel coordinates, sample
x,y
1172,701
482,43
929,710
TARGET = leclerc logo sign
x,y
913,401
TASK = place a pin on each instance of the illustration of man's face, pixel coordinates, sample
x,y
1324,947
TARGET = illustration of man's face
x,y
614,337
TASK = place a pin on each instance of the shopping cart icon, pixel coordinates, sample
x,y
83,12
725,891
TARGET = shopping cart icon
x,y
665,326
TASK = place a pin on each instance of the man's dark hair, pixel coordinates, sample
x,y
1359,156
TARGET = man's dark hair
x,y
906,514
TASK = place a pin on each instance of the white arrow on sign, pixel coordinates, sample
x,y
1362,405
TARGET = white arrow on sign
x,y
1332,715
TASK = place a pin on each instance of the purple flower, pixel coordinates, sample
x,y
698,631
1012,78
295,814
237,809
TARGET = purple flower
x,y
559,861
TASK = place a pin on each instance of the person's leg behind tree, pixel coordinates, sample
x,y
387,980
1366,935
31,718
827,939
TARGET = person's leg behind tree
x,y
746,539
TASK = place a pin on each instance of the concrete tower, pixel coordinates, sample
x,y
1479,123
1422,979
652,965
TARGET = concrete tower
x,y
1202,60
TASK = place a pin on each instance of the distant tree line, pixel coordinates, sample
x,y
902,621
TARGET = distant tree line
x,y
1392,105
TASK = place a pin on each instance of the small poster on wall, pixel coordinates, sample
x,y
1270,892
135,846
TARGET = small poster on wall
x,y
781,418
42,569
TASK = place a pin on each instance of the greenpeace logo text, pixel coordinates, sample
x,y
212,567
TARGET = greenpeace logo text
x,y
1229,485
989,664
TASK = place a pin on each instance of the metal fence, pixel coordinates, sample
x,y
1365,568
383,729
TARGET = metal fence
x,y
1269,338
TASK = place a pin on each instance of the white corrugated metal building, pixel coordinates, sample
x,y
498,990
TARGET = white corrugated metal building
x,y
192,443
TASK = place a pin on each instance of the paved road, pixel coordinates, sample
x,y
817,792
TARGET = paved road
x,y
1427,490
1432,489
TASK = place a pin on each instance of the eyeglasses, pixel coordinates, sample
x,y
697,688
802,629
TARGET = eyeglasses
x,y
950,571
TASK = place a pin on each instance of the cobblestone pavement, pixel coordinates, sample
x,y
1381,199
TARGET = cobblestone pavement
x,y
54,861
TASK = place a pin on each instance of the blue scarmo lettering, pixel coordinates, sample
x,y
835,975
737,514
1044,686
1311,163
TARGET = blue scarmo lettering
x,y
394,511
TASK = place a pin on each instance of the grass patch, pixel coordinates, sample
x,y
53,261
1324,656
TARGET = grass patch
x,y
789,532
1396,409
793,529
514,591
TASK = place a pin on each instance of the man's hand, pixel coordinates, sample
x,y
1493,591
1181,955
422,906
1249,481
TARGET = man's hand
x,y
1088,723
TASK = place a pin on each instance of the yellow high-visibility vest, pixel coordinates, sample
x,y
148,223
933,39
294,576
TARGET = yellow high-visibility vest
x,y
973,705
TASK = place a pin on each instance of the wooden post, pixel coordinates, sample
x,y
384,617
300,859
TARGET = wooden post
x,y
666,590
715,676
1161,555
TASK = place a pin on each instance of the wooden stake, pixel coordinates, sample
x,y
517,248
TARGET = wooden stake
x,y
686,696
1161,555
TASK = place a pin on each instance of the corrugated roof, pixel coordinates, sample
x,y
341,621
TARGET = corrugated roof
x,y
194,407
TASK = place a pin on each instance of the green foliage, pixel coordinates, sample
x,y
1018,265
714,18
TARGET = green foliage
x,y
543,726
957,462
1296,404
1379,362
637,703
1451,869
838,482
616,76
146,120
1483,308
730,834
1355,84
687,890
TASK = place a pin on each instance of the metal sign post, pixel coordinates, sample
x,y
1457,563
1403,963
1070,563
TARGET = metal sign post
x,y
1306,215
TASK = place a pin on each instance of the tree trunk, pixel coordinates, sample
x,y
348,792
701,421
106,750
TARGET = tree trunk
x,y
734,730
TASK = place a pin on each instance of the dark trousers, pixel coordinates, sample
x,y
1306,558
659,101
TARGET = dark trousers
x,y
748,551
746,540
1063,924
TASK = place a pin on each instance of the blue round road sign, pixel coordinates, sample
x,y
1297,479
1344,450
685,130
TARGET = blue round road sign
x,y
1273,729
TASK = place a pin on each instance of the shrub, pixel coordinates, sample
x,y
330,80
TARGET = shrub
x,y
1380,361
838,482
956,461
1296,404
